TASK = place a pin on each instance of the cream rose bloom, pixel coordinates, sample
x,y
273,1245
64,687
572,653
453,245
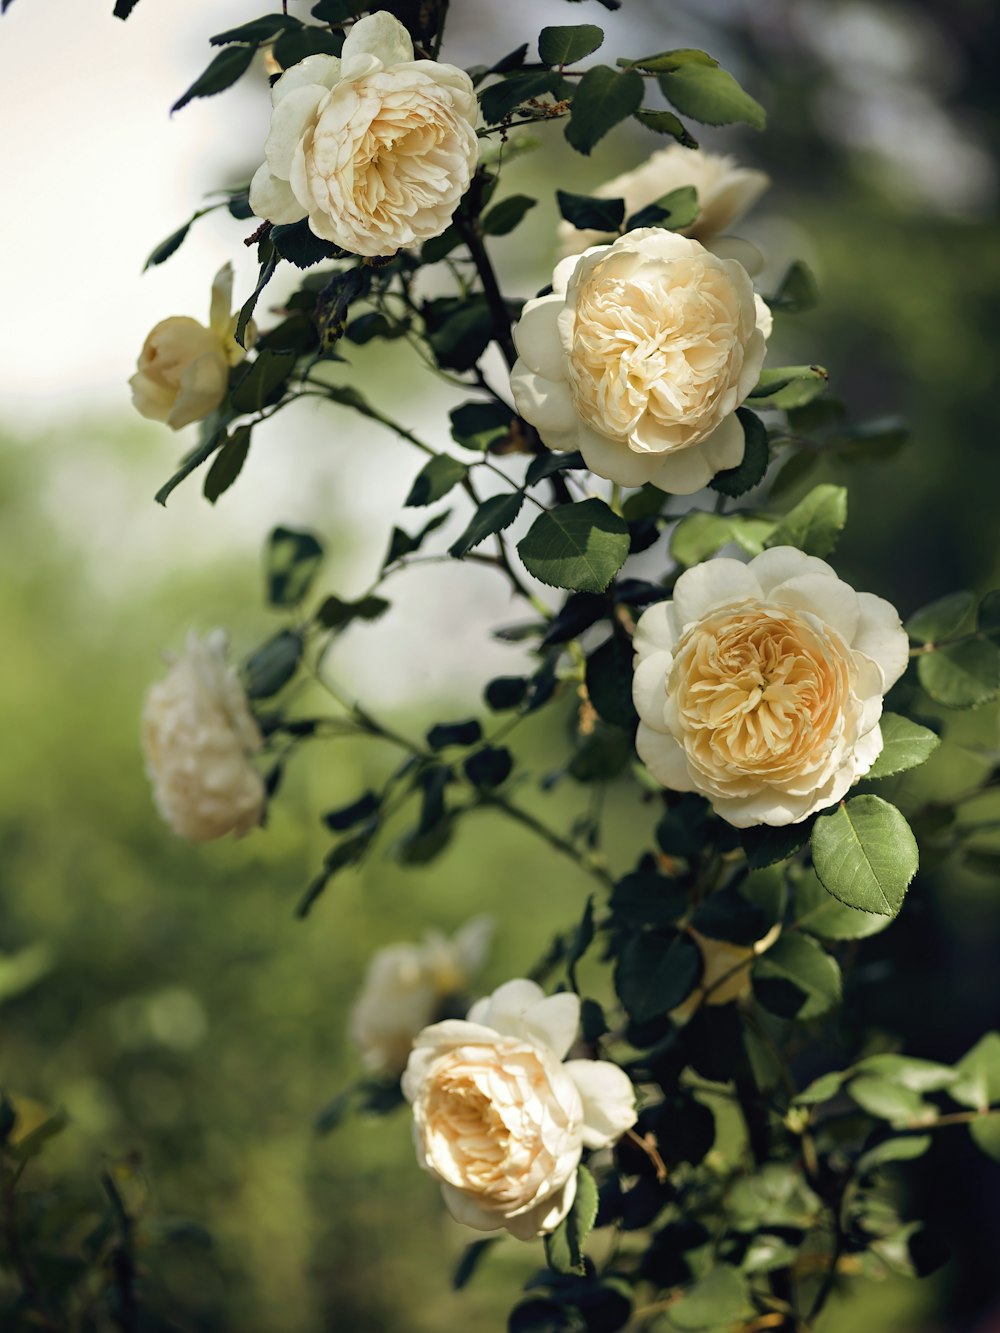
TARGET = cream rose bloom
x,y
640,357
725,192
407,987
374,147
500,1120
183,369
198,736
760,685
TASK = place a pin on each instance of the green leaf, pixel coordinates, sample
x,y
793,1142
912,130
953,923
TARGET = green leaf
x,y
603,98
700,534
435,479
301,43
988,615
499,100
256,31
273,664
961,675
719,1299
905,745
347,816
292,560
986,1134
764,846
588,213
796,978
462,336
337,11
878,439
299,244
710,95
646,898
656,971
469,1262
865,854
401,544
489,767
348,852
564,1247
823,1088
121,11
672,212
665,122
665,62
200,454
505,216
892,1150
223,71
480,425
546,464
32,1144
580,546
908,1071
336,614
21,970
493,515
890,1101
539,1314
444,734
264,377
749,473
166,248
228,464
816,522
978,1084
267,267
941,619
789,387
819,913
609,682
504,692
561,46
798,291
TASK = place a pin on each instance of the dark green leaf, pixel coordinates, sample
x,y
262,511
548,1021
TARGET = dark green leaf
x,y
223,71
905,745
879,439
720,1299
228,463
797,292
401,544
578,546
588,213
988,615
865,854
656,971
796,978
273,664
438,247
710,95
122,7
511,61
540,1315
366,328
460,339
506,692
356,813
435,479
256,31
444,734
646,898
941,619
469,1262
726,915
478,425
489,767
505,216
564,1247
603,98
548,463
500,99
337,11
561,46
665,122
961,675
334,302
166,248
292,561
348,852
609,682
299,244
267,267
263,381
816,522
493,515
749,473
672,212
764,845
300,43
194,460
335,613
601,755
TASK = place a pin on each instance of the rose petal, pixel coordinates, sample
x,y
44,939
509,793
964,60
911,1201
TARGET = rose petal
x,y
546,1215
726,445
649,690
714,583
318,69
664,758
536,337
379,35
615,461
547,405
656,629
465,1209
273,199
289,121
781,563
683,472
880,636
831,599
608,1099
552,1022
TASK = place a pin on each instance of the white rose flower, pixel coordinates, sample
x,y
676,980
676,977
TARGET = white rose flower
x,y
500,1120
183,370
761,685
640,357
198,735
406,988
374,147
725,193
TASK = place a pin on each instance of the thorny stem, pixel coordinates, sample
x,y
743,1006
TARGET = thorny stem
x,y
491,290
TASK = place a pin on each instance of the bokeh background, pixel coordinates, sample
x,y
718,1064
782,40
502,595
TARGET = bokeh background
x,y
165,996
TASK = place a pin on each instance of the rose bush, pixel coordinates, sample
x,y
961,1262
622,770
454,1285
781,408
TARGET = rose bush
x,y
640,357
761,685
183,369
408,985
374,147
499,1118
726,191
199,736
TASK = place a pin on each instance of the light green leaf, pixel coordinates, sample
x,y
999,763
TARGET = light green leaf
x,y
789,387
796,978
865,854
722,1297
886,1100
978,1084
24,969
906,745
665,122
292,559
909,1071
797,292
700,534
673,211
941,619
820,914
961,675
564,1248
710,95
604,97
892,1150
816,522
822,1089
580,546
666,62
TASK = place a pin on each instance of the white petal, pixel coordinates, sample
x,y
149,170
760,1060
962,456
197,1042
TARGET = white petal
x,y
289,121
273,199
664,758
782,563
608,1100
765,320
553,1022
880,636
831,599
547,405
379,35
718,582
508,1001
656,629
867,750
615,461
546,1215
726,445
682,472
536,337
649,689
464,1208
203,387
320,69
